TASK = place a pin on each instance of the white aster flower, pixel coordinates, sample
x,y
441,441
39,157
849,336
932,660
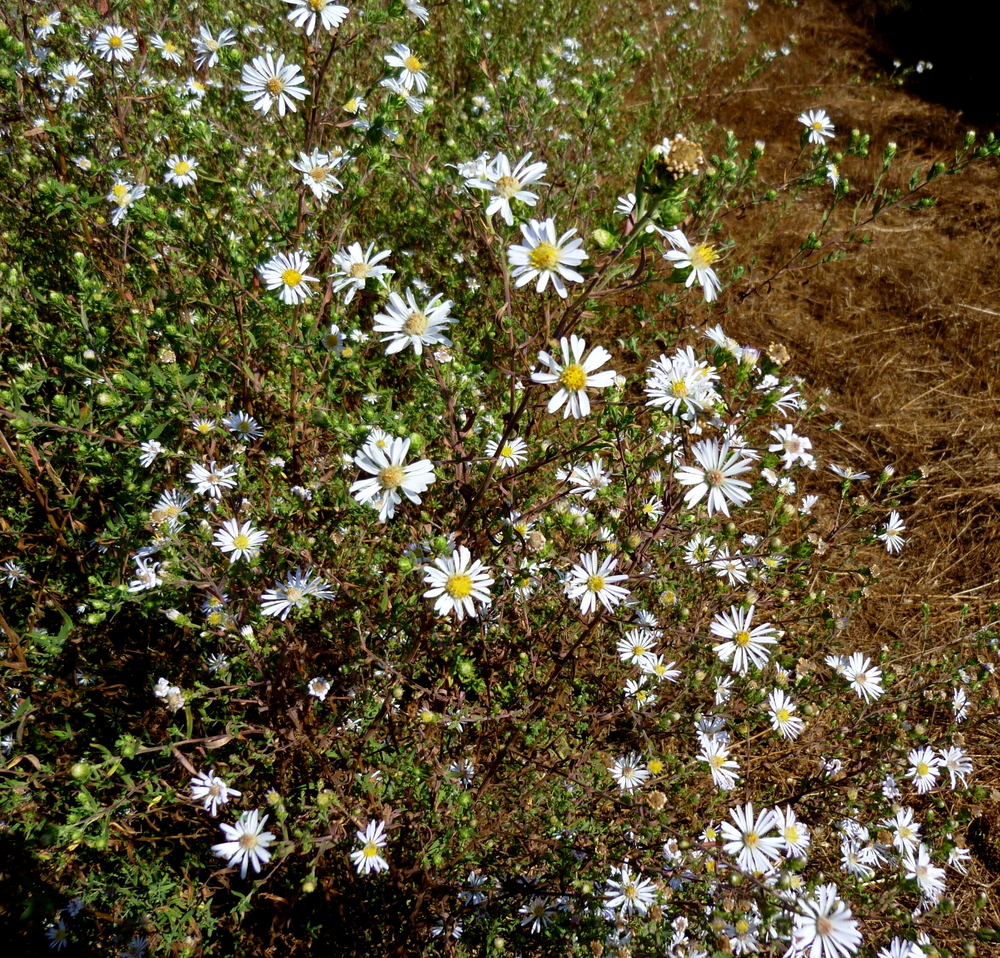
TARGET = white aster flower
x,y
317,169
267,82
288,272
212,791
819,125
723,768
306,13
355,268
593,581
72,77
457,583
391,479
207,47
247,843
698,258
123,194
864,677
407,324
628,893
748,840
181,170
545,257
791,446
745,646
574,375
115,44
319,687
629,772
890,535
924,769
241,540
823,927
508,184
411,69
509,455
714,477
293,593
150,450
211,480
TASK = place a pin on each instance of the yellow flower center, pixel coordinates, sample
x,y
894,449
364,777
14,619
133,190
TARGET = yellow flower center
x,y
413,64
656,766
923,768
703,256
595,583
791,835
459,586
120,192
783,715
742,638
507,186
391,477
318,173
742,926
371,850
294,594
351,106
71,79
274,86
573,377
248,840
359,270
182,168
544,256
241,542
816,125
212,45
679,389
751,839
416,324
291,277
507,451
714,478
169,47
114,42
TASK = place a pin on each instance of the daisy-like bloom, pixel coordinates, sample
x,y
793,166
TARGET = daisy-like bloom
x,y
146,576
628,893
267,82
211,791
629,772
46,24
713,476
355,268
293,593
591,583
781,708
115,44
929,878
794,834
655,665
819,125
12,572
123,194
391,479
287,272
924,768
207,47
367,858
211,480
407,324
901,948
247,843
319,687
305,14
150,450
317,169
960,704
698,258
959,764
168,51
890,535
625,205
846,472
509,184
537,914
864,677
181,170
832,174
636,645
411,70
414,103
723,768
745,646
546,257
242,425
417,9
790,446
457,583
509,455
823,927
58,935
588,479
243,541
72,77
574,375
748,840
682,384
905,831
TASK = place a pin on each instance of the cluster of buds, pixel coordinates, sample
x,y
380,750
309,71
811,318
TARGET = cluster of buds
x,y
661,174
